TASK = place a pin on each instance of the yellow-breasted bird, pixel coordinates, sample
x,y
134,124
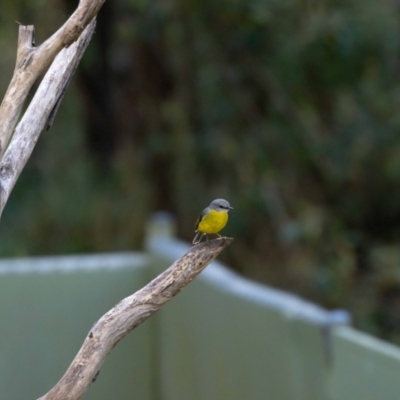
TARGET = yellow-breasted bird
x,y
212,219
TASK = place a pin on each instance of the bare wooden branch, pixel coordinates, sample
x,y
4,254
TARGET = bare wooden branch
x,y
127,315
42,106
32,62
19,86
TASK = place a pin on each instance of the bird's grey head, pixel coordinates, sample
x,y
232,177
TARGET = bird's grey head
x,y
220,205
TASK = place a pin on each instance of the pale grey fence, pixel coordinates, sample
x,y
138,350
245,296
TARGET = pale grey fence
x,y
364,367
223,337
47,306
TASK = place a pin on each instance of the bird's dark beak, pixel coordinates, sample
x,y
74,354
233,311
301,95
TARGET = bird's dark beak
x,y
231,208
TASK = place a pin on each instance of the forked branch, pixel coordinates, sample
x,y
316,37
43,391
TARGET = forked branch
x,y
46,99
32,62
66,47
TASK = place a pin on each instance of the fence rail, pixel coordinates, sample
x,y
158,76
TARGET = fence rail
x,y
223,337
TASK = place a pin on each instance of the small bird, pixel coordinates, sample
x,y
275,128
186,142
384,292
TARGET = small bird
x,y
212,219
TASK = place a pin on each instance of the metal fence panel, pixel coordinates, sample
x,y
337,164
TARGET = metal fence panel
x,y
47,307
364,367
309,352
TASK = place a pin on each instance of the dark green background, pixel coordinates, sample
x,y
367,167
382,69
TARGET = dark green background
x,y
289,109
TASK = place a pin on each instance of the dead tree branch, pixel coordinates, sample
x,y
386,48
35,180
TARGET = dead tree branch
x,y
127,315
65,47
46,99
32,62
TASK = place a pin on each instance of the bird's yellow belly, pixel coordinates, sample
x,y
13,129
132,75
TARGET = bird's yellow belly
x,y
213,222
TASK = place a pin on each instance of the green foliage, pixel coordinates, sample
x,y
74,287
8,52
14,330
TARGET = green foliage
x,y
289,109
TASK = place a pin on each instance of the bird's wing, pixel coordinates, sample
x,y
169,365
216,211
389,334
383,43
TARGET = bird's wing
x,y
203,213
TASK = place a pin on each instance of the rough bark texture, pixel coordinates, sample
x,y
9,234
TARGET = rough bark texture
x,y
41,108
127,315
32,62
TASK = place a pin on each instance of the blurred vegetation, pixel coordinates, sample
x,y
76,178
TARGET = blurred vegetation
x,y
289,109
